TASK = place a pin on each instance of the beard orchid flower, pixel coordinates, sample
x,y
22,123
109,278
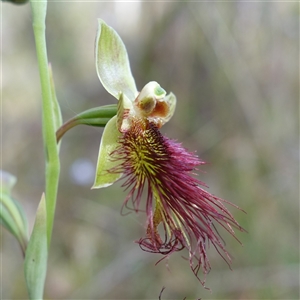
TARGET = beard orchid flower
x,y
158,173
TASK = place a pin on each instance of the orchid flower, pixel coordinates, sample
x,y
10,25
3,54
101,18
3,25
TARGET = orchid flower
x,y
180,213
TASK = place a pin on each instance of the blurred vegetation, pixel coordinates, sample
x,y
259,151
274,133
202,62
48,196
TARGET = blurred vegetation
x,y
234,69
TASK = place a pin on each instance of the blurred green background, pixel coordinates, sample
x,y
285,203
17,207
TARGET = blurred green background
x,y
234,68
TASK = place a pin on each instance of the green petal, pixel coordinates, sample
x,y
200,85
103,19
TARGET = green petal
x,y
171,100
35,266
112,63
109,143
125,110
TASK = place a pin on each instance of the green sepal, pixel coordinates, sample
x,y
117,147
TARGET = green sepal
x,y
108,144
12,215
35,266
112,63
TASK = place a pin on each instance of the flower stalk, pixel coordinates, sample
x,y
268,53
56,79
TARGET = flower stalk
x,y
39,9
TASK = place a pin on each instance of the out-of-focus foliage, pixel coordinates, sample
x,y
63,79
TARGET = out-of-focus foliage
x,y
12,216
16,1
234,69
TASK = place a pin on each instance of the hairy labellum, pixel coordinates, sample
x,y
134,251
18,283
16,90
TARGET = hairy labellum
x,y
176,203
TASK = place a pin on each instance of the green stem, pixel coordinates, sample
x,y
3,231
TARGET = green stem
x,y
39,9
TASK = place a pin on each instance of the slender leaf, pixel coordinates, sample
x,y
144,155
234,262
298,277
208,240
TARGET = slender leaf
x,y
35,266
